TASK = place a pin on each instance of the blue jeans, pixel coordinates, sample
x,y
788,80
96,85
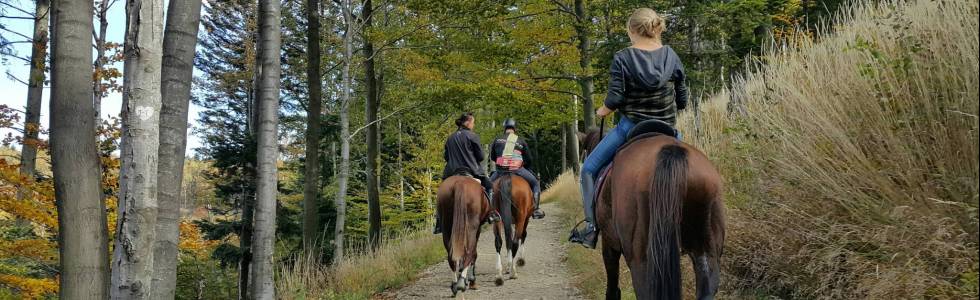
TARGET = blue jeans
x,y
606,149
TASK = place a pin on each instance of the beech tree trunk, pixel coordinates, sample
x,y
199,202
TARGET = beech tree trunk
x,y
35,87
264,227
82,233
132,262
100,59
585,80
179,41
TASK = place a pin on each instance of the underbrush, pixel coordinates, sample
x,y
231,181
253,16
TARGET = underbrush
x,y
361,274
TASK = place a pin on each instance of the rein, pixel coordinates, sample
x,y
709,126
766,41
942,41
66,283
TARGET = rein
x,y
602,127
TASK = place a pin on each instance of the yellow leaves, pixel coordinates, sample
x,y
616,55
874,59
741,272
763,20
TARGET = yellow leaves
x,y
30,288
192,241
41,250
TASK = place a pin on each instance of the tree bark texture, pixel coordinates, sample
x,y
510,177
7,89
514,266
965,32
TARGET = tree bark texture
x,y
132,262
264,226
82,232
179,41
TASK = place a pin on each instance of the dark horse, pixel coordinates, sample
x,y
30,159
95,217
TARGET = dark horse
x,y
513,197
462,208
660,197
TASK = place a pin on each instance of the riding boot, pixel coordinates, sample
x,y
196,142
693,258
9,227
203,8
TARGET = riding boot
x,y
438,228
588,236
493,216
538,213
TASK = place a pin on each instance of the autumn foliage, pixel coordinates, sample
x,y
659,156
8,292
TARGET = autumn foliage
x,y
29,225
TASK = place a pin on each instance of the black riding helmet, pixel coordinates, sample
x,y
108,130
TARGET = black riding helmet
x,y
510,124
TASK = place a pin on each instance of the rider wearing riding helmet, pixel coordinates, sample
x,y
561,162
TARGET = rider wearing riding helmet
x,y
511,152
646,83
463,154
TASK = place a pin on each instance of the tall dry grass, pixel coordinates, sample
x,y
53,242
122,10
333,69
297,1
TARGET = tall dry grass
x,y
363,273
852,161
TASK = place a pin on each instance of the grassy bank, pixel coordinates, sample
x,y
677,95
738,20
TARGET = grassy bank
x,y
851,161
360,276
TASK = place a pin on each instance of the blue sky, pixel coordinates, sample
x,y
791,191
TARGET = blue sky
x,y
14,93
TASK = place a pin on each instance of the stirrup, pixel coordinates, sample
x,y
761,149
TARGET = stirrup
x,y
586,237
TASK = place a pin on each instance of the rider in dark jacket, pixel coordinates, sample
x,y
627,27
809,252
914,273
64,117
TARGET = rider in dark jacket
x,y
520,152
463,154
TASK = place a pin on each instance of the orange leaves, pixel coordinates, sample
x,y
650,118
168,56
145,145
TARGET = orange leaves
x,y
30,288
41,250
192,241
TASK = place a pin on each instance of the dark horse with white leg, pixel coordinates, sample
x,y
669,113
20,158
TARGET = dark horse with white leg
x,y
659,194
515,201
462,208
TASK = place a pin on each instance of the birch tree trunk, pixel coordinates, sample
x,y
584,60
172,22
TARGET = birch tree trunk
x,y
35,87
345,97
179,41
132,262
311,184
371,117
82,233
264,234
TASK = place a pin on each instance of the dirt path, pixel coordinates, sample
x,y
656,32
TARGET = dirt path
x,y
543,277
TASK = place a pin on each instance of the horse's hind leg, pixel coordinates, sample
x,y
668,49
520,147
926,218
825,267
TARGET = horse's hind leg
x,y
706,269
498,242
706,259
610,258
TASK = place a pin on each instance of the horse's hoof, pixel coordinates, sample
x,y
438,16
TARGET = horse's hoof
x,y
499,281
513,276
520,262
473,286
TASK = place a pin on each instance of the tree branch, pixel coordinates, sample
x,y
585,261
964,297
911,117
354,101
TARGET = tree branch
x,y
562,7
17,9
17,17
353,133
16,33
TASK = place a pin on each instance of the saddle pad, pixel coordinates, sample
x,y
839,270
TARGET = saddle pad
x,y
600,182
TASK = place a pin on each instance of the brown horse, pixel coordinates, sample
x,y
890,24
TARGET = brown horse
x,y
661,195
462,208
514,199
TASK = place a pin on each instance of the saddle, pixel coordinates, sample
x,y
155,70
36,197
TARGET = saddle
x,y
642,130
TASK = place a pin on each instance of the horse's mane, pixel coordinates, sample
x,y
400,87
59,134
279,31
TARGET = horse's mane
x,y
588,140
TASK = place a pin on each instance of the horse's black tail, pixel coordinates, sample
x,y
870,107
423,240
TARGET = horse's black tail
x,y
506,213
459,237
667,189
